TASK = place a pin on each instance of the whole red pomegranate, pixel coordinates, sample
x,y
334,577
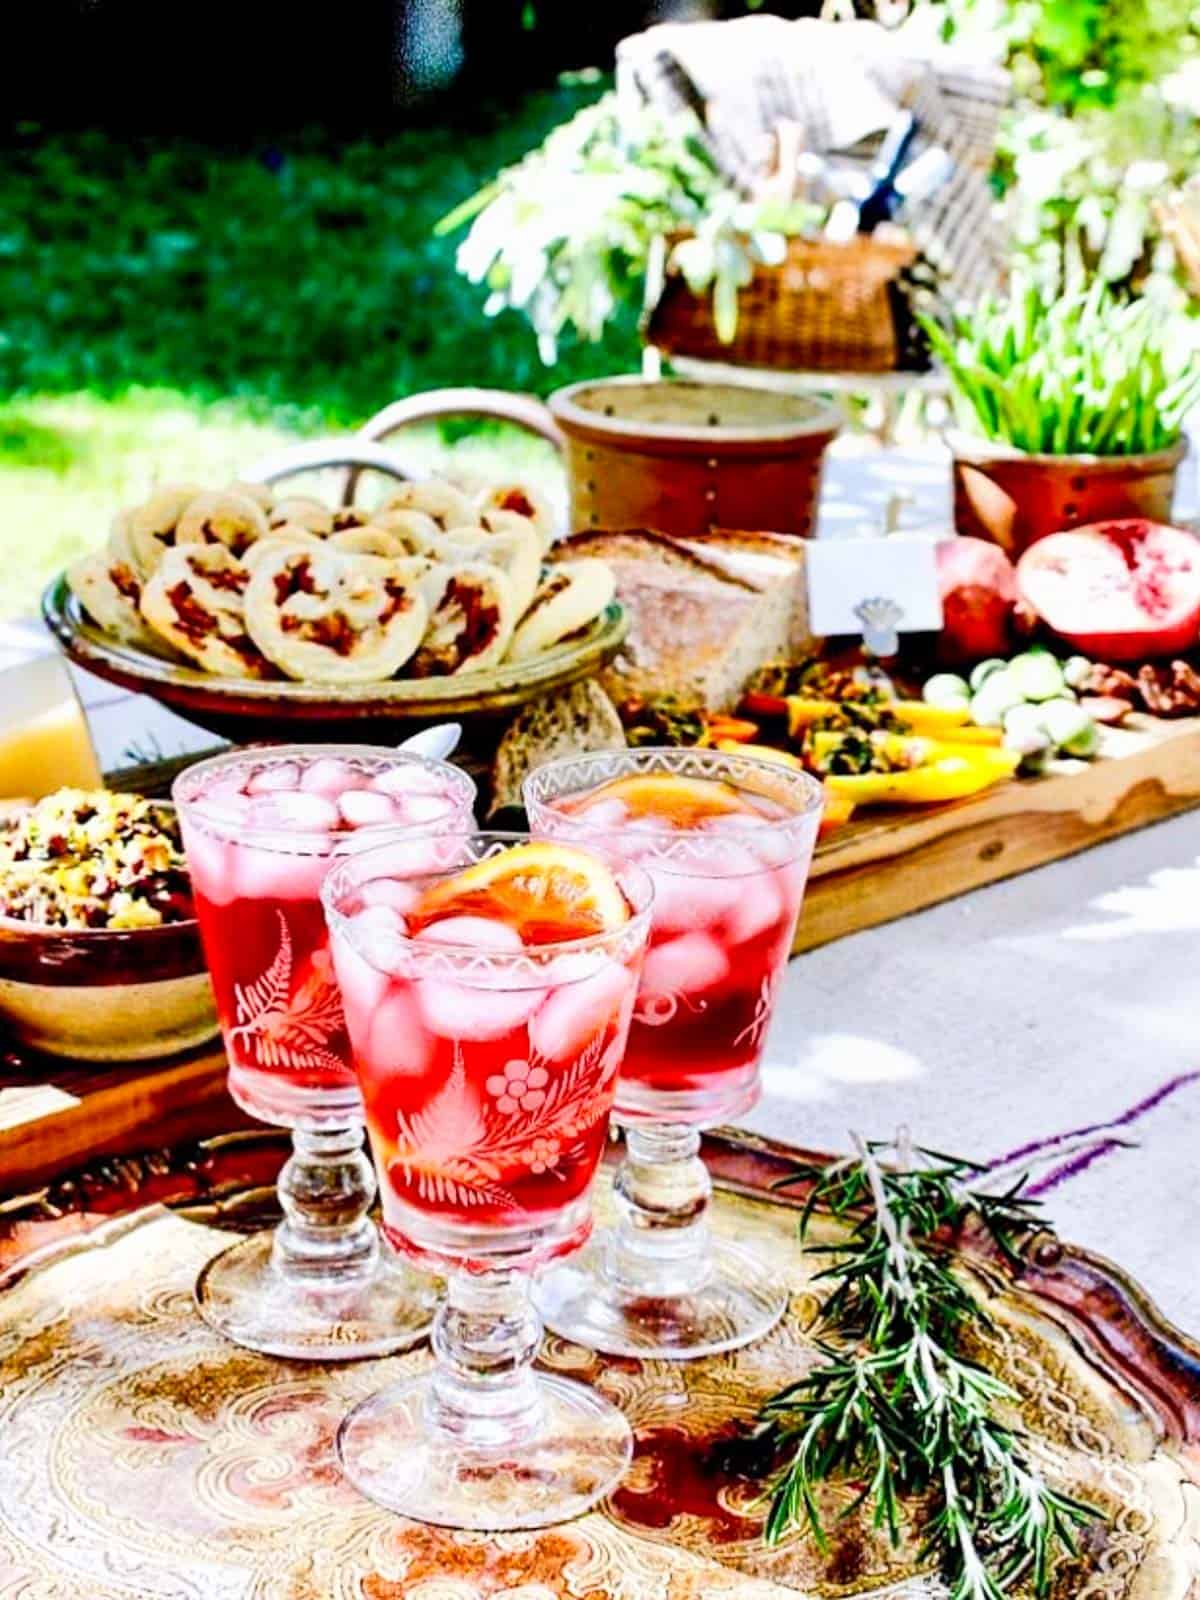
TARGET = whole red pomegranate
x,y
979,594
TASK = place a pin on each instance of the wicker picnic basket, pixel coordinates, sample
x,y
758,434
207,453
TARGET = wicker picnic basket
x,y
827,308
765,90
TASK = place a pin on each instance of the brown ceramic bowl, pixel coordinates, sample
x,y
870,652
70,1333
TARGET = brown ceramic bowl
x,y
245,710
684,457
104,994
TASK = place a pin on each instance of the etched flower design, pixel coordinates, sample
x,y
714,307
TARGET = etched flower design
x,y
521,1087
544,1154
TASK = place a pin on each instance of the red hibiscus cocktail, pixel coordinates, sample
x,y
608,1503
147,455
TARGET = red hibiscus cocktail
x,y
725,908
727,842
488,1004
260,828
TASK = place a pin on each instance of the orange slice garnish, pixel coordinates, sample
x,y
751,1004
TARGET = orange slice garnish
x,y
546,892
683,802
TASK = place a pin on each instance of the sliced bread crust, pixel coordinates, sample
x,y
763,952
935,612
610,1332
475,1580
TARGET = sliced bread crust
x,y
764,559
565,722
639,544
697,631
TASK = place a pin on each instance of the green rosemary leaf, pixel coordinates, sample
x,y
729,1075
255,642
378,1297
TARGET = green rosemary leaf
x,y
898,1405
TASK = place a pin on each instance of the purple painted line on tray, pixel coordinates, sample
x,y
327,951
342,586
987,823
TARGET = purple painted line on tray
x,y
1077,1164
1134,1112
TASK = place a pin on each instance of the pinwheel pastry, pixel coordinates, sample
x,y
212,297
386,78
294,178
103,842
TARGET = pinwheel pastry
x,y
518,554
369,540
108,586
325,617
416,530
471,625
523,500
569,597
302,511
430,577
508,522
346,518
288,536
152,525
196,601
439,579
427,572
261,493
222,516
520,500
449,507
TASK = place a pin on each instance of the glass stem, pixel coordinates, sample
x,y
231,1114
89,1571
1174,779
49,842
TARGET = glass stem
x,y
660,1247
325,1188
485,1337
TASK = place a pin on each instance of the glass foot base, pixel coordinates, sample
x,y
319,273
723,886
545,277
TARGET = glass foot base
x,y
242,1295
389,1452
739,1303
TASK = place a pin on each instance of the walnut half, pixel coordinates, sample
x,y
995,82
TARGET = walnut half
x,y
1172,691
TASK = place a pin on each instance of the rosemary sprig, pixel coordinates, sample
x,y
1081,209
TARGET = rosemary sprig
x,y
897,1406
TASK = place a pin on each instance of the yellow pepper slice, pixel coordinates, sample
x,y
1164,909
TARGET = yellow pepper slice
x,y
923,718
803,713
949,775
913,749
895,746
839,808
973,736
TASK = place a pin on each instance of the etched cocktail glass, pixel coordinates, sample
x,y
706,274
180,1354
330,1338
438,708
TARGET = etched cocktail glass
x,y
727,841
488,1015
260,828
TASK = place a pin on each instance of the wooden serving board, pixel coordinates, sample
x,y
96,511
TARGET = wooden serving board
x,y
905,858
56,1116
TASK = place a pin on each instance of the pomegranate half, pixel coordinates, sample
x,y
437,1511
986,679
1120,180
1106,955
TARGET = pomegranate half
x,y
1117,591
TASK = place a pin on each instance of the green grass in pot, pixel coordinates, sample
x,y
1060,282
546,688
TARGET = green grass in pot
x,y
1087,375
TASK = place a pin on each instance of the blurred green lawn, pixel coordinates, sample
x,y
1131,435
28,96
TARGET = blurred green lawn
x,y
173,309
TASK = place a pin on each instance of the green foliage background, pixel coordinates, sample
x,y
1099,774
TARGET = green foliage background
x,y
172,309
1103,122
304,283
1085,53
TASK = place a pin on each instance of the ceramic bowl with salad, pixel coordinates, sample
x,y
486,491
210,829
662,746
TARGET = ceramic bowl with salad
x,y
100,954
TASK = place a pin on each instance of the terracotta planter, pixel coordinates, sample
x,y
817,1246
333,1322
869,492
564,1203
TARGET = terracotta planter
x,y
1015,499
684,458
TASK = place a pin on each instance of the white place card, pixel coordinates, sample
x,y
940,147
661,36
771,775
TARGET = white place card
x,y
876,587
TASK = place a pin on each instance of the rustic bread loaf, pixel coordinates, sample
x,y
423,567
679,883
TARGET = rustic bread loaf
x,y
565,722
765,560
696,631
